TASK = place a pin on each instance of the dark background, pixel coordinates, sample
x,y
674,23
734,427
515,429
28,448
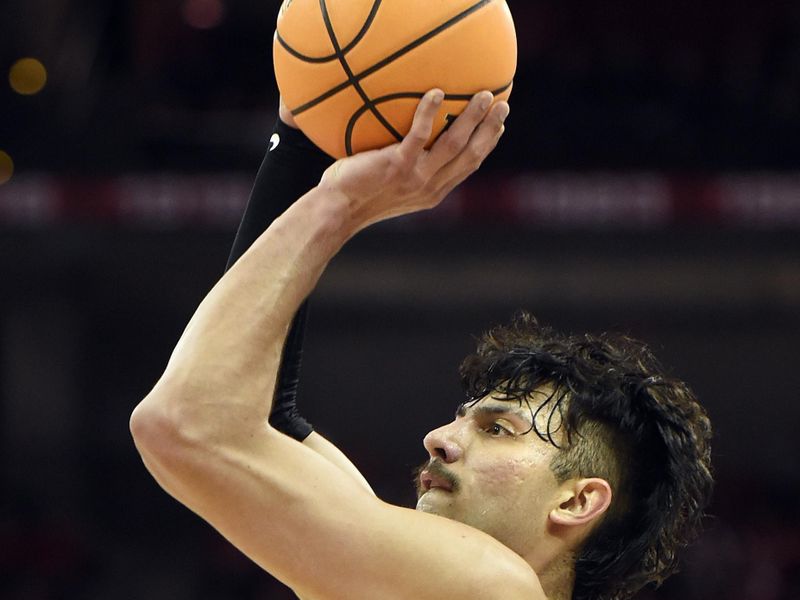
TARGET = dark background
x,y
143,108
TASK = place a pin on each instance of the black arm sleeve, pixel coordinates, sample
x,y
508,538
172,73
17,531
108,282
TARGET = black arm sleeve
x,y
291,167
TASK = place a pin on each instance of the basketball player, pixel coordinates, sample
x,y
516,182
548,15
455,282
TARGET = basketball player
x,y
575,469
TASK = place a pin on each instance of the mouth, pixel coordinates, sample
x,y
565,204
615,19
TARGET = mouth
x,y
430,482
434,477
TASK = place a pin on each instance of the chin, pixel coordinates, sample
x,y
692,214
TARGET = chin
x,y
424,506
432,504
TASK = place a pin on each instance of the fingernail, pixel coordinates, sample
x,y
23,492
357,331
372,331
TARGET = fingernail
x,y
504,112
438,96
486,100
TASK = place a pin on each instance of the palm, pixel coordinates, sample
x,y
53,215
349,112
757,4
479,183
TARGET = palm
x,y
368,176
405,177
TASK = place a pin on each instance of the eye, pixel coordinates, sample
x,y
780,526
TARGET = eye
x,y
497,430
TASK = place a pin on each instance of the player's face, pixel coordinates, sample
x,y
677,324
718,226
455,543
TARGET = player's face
x,y
489,470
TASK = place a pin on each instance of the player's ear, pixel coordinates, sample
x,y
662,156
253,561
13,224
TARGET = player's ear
x,y
581,501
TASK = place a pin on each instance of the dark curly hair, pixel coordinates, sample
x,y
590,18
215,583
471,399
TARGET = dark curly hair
x,y
614,413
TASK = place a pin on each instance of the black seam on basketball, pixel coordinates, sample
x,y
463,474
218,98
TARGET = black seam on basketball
x,y
393,57
449,120
351,77
350,46
351,124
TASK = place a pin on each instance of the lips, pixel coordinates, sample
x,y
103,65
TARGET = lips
x,y
433,478
430,481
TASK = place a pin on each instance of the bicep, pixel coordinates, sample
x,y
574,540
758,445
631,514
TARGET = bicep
x,y
326,536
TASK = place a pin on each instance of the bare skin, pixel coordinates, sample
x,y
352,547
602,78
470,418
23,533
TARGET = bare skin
x,y
204,435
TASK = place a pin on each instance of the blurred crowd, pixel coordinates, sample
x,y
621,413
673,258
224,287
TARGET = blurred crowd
x,y
601,84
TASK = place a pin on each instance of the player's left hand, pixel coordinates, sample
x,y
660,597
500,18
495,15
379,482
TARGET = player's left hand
x,y
286,115
405,177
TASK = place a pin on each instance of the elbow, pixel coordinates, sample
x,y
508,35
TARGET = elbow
x,y
151,427
142,423
159,422
161,442
170,424
174,425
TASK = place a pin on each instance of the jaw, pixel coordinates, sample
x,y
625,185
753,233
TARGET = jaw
x,y
557,576
545,554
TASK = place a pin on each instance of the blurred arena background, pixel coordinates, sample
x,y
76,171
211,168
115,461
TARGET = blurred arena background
x,y
649,182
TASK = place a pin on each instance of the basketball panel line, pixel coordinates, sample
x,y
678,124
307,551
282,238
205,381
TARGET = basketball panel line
x,y
323,59
351,124
351,77
393,57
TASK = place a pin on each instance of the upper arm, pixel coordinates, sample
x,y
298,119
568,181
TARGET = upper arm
x,y
323,447
324,535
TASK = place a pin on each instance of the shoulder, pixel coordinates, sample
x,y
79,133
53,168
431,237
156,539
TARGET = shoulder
x,y
402,554
454,559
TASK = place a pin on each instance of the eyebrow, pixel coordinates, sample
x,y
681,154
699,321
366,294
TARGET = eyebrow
x,y
492,409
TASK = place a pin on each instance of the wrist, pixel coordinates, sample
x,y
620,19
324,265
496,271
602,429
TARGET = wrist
x,y
334,212
318,224
355,210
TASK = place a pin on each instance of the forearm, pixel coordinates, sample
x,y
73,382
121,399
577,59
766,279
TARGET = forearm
x,y
223,370
292,165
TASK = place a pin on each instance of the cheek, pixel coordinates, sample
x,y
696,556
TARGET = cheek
x,y
501,477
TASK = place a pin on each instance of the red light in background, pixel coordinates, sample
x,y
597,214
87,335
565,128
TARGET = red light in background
x,y
203,14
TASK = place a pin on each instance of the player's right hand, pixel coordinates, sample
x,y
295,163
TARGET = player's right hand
x,y
405,177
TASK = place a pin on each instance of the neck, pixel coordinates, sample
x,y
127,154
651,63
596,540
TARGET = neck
x,y
558,577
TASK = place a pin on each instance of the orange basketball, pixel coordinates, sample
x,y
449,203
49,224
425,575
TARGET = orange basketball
x,y
353,71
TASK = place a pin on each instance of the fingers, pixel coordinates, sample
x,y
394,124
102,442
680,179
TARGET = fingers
x,y
459,151
482,141
453,141
422,126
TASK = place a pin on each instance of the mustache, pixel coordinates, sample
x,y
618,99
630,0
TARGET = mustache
x,y
437,469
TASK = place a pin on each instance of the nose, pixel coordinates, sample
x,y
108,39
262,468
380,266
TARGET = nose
x,y
442,443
